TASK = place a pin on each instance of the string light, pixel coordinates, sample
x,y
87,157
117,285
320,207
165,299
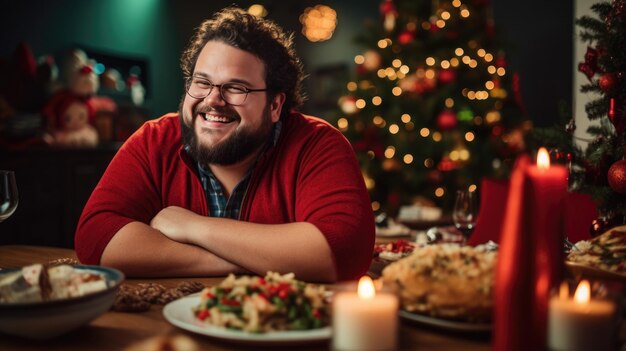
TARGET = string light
x,y
379,121
408,159
491,69
342,124
469,136
424,132
459,52
501,71
488,57
437,136
465,12
456,3
396,63
394,129
377,100
439,192
454,155
375,204
449,102
257,10
318,22
404,69
396,91
429,163
406,118
445,64
445,15
381,73
360,103
464,154
430,61
390,151
454,62
359,59
481,52
382,43
489,85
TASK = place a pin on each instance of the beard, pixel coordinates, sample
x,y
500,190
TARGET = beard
x,y
242,143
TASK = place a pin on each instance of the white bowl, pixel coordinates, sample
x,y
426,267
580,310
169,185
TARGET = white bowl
x,y
47,319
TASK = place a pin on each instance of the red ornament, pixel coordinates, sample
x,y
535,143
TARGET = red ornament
x,y
446,120
607,82
586,69
446,76
591,58
406,37
388,7
590,65
617,115
617,177
500,62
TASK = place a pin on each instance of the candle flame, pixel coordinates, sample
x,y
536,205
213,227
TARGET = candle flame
x,y
366,288
543,158
583,292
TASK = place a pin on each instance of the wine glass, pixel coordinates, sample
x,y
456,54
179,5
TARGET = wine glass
x,y
465,212
8,194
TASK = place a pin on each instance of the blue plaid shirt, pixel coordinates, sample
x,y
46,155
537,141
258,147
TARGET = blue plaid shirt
x,y
219,204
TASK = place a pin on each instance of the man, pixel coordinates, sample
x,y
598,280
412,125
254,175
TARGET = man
x,y
237,181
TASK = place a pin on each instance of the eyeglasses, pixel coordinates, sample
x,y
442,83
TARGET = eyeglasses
x,y
232,93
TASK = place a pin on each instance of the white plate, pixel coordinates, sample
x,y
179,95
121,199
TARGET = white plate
x,y
180,314
445,323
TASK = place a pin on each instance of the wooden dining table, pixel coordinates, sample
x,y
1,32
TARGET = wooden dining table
x,y
121,330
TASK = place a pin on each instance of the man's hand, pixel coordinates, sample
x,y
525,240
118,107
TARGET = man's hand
x,y
176,223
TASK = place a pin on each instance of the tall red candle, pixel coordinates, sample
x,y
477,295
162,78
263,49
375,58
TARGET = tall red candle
x,y
531,254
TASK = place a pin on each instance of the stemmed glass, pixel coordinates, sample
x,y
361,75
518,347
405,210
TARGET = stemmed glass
x,y
8,194
465,212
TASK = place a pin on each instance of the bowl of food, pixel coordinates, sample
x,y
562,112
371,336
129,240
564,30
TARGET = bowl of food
x,y
41,302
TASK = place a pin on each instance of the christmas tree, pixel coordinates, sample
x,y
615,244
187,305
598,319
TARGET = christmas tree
x,y
601,169
431,107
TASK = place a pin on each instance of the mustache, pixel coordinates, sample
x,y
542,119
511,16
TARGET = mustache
x,y
225,111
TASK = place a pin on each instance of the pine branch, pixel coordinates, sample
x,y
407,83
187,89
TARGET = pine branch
x,y
602,9
596,109
591,24
586,88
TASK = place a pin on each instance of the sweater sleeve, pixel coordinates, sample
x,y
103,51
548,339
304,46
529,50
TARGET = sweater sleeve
x,y
125,193
331,194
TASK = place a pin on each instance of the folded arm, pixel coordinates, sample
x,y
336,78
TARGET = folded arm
x,y
139,250
292,247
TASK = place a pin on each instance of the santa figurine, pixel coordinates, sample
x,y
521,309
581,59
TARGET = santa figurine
x,y
69,121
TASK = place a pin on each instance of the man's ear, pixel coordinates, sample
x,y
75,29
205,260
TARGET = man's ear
x,y
276,106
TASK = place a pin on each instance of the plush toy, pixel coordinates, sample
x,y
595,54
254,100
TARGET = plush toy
x,y
78,74
69,119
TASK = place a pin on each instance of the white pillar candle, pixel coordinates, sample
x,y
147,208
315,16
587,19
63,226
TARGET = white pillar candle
x,y
581,323
365,320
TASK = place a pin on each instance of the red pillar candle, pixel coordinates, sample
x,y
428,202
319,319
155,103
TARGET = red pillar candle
x,y
531,254
546,189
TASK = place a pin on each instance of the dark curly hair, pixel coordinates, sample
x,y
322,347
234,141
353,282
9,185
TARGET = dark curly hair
x,y
264,39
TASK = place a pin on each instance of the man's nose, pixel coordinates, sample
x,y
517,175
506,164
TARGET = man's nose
x,y
215,97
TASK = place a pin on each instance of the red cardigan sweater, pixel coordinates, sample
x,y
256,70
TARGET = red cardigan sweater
x,y
310,175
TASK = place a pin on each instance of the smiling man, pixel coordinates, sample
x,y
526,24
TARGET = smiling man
x,y
236,181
